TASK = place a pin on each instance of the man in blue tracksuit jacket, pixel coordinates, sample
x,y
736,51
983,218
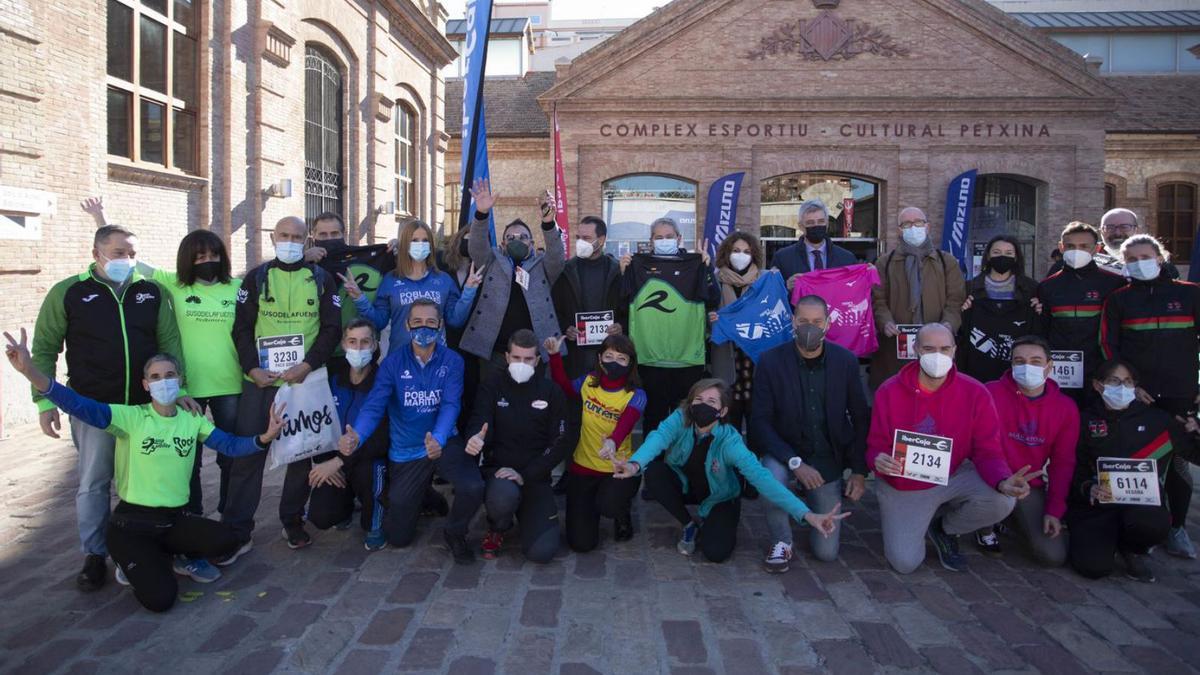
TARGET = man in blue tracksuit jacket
x,y
419,388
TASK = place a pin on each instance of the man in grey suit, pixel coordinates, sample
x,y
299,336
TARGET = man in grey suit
x,y
814,251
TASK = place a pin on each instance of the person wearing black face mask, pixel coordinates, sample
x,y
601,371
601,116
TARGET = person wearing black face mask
x,y
815,251
1001,306
364,265
516,280
811,418
702,461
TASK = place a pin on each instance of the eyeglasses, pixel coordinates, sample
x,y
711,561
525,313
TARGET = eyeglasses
x,y
912,223
1126,227
815,223
517,237
1113,382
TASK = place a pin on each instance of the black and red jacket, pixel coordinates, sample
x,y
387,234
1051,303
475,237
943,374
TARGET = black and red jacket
x,y
1137,432
1152,324
1071,303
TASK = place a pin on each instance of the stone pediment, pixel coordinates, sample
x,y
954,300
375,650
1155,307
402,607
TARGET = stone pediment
x,y
885,54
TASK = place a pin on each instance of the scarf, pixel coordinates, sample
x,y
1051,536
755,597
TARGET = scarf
x,y
731,280
913,257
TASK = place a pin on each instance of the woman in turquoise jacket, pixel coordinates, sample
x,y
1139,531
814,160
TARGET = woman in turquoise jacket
x,y
701,454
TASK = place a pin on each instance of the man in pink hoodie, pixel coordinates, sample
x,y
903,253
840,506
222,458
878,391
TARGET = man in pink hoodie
x,y
1038,424
927,421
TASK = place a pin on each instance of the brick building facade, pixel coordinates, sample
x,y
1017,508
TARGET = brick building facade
x,y
184,113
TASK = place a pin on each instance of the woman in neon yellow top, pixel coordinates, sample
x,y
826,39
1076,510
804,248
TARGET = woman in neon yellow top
x,y
154,455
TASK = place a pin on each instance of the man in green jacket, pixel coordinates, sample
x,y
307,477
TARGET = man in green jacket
x,y
111,320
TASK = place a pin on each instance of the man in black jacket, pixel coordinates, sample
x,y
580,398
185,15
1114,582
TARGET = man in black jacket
x,y
810,417
521,430
815,251
590,284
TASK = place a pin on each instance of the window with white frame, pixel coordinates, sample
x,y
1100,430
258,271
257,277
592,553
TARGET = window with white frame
x,y
153,82
406,159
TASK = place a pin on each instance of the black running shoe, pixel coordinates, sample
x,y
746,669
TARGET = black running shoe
x,y
947,548
296,536
1137,568
623,528
463,555
94,573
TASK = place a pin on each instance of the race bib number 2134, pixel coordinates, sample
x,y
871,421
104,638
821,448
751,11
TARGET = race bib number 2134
x,y
923,457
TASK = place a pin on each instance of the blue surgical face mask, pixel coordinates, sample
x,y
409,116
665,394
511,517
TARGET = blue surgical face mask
x,y
289,252
164,392
418,250
357,358
118,269
666,246
423,336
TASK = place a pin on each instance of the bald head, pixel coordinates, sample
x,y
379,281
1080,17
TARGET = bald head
x,y
936,336
290,229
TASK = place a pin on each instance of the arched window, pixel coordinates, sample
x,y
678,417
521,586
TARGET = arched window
x,y
1176,219
1004,204
323,111
853,204
631,203
406,159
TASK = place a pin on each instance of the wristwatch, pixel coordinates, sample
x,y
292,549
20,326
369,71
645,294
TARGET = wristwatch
x,y
795,463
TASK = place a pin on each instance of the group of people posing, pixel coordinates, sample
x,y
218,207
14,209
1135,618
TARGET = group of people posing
x,y
505,359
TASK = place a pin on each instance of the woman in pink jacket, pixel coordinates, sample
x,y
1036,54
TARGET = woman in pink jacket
x,y
1039,427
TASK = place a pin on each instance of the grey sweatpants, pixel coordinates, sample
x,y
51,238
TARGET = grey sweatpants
x,y
1028,516
819,500
965,505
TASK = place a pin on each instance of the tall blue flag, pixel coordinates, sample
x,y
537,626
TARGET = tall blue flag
x,y
721,217
474,129
957,224
759,320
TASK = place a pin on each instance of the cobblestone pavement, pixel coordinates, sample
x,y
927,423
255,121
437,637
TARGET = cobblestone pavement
x,y
637,607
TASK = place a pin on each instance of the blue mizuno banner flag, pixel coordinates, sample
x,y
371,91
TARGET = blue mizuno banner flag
x,y
474,127
721,217
957,224
759,320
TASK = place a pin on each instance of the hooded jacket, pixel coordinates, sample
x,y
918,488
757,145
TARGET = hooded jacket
x,y
961,409
1034,431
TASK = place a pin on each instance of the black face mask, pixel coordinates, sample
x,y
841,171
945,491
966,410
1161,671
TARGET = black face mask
x,y
816,235
464,248
703,414
517,250
1002,264
207,271
809,337
614,370
332,246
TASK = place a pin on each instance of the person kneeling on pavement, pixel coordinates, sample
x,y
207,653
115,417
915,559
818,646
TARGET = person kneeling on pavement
x,y
417,393
1106,515
928,420
155,451
521,433
329,483
701,456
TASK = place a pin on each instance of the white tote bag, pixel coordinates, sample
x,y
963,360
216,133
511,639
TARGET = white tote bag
x,y
310,420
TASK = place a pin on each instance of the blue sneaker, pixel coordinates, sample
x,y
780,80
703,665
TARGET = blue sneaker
x,y
375,540
198,569
947,548
687,542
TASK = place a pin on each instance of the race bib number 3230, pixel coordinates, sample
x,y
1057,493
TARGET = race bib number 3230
x,y
278,353
923,457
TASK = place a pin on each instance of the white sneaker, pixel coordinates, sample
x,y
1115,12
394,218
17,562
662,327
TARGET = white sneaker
x,y
778,559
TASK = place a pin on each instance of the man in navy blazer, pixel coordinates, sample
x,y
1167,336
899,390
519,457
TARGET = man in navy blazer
x,y
815,251
810,420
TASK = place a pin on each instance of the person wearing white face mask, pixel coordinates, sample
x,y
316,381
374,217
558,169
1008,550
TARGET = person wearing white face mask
x,y
918,284
590,282
1153,324
520,435
927,421
739,264
1072,298
110,319
1120,426
154,452
286,324
1039,427
416,276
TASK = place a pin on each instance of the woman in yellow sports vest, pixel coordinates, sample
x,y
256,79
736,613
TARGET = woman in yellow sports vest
x,y
612,403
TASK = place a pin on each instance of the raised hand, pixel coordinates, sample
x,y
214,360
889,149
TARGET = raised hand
x,y
350,285
548,206
553,345
625,469
704,252
474,278
1017,485
625,260
348,443
433,449
608,450
482,193
18,354
475,443
826,523
274,424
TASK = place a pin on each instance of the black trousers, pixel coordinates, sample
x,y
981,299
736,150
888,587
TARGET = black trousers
x,y
329,505
1099,531
718,532
224,413
533,506
1178,488
665,388
408,482
590,497
143,541
246,473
